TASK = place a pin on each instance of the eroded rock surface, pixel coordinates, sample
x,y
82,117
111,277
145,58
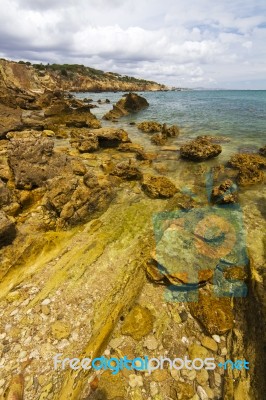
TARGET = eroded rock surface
x,y
132,102
200,149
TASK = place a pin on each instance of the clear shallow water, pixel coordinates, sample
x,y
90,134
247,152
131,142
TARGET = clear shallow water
x,y
241,115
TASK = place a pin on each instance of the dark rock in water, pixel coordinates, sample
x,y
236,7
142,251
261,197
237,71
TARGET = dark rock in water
x,y
107,101
85,143
149,126
127,170
87,100
225,193
215,313
249,168
111,137
7,230
33,161
171,131
159,139
158,187
132,102
262,151
200,149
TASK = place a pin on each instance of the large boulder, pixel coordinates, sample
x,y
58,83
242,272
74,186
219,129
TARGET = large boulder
x,y
200,149
73,200
33,161
132,102
158,187
111,137
7,230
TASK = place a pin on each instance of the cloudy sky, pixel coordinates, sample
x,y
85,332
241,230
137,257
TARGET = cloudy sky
x,y
188,43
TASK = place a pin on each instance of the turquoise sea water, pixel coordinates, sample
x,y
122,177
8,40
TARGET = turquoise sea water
x,y
240,115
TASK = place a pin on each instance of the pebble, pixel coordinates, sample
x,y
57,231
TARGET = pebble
x,y
201,393
209,343
202,377
153,389
14,312
190,375
151,343
45,310
45,302
2,382
135,380
185,340
175,374
22,354
218,379
216,338
223,351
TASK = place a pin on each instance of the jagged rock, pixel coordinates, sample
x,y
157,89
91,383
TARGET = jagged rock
x,y
215,313
10,120
132,102
138,322
159,139
149,126
127,170
85,143
171,131
73,200
5,194
262,151
225,193
57,107
200,149
7,230
111,137
33,161
249,168
158,187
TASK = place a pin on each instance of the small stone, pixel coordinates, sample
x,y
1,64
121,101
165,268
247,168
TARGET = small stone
x,y
22,354
2,382
116,342
135,380
197,351
183,316
209,343
223,351
160,375
209,392
150,343
45,310
60,330
217,379
14,312
138,322
202,377
45,302
190,375
201,393
153,389
216,338
185,340
175,374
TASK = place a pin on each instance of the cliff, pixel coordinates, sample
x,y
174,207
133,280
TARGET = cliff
x,y
37,78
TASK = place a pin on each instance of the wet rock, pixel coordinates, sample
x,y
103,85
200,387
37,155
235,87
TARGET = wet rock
x,y
215,313
143,156
127,170
128,104
197,351
149,126
250,176
111,387
209,343
138,322
33,161
85,143
240,161
171,131
200,149
7,230
225,193
262,151
60,330
111,137
159,139
182,391
158,187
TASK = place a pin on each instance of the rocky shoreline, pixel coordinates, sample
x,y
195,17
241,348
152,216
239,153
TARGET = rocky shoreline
x,y
79,257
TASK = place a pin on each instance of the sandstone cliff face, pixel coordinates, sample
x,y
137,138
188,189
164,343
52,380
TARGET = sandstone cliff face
x,y
70,77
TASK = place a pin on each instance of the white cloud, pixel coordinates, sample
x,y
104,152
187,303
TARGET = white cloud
x,y
186,41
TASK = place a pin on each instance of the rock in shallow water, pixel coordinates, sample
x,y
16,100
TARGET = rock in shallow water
x,y
200,149
138,322
158,187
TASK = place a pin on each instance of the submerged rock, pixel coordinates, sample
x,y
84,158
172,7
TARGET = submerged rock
x,y
149,126
127,170
170,131
158,187
159,139
200,149
85,143
138,322
132,102
225,193
215,313
249,167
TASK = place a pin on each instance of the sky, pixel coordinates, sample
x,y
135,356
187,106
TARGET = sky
x,y
181,43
